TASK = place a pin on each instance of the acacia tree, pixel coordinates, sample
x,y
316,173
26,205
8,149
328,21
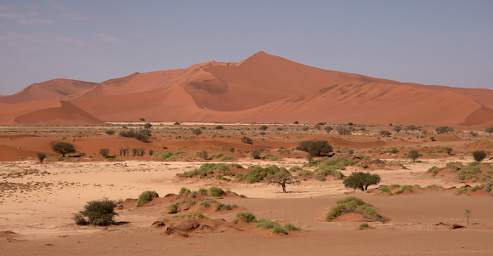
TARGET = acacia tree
x,y
63,148
413,154
361,180
282,177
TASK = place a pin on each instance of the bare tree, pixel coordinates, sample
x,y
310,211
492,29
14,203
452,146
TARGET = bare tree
x,y
282,177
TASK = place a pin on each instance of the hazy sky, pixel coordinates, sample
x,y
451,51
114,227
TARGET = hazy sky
x,y
435,42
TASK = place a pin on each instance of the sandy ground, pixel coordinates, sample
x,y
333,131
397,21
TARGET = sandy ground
x,y
40,200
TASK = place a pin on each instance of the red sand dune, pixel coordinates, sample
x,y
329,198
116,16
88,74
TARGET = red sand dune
x,y
262,88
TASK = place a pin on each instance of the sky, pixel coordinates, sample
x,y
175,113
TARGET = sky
x,y
425,41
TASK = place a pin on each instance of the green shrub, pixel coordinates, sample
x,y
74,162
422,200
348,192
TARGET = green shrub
x,y
146,197
173,208
196,131
434,170
364,226
291,227
444,129
384,189
79,219
354,205
41,156
479,155
99,213
208,170
143,135
258,173
63,148
246,217
225,207
216,192
316,148
279,230
184,192
361,180
265,224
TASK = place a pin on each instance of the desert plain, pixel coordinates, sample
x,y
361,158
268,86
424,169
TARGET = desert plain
x,y
210,177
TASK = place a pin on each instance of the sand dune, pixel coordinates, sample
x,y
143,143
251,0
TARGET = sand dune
x,y
261,88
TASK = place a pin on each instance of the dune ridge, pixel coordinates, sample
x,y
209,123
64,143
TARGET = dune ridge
x,y
261,88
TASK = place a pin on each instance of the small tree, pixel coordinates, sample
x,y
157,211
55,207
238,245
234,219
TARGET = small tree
x,y
361,180
479,155
104,152
63,148
282,177
413,155
41,157
98,213
316,147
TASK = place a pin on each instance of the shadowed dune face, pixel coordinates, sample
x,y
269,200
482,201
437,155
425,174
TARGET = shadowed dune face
x,y
262,88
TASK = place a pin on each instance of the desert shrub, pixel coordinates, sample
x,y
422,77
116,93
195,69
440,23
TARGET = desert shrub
x,y
63,148
354,205
282,177
208,170
184,192
316,147
172,208
203,154
247,140
361,180
479,155
413,155
143,135
258,173
434,170
225,207
79,219
216,192
41,156
328,129
397,128
147,126
255,154
470,171
99,212
263,127
110,132
331,167
104,152
384,189
444,129
219,127
138,151
291,227
392,150
344,130
146,197
196,131
385,133
489,130
246,217
278,230
265,224
363,226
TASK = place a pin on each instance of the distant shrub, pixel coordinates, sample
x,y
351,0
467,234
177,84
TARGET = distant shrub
x,y
291,227
316,147
104,152
255,154
265,224
184,192
143,135
385,133
208,170
172,208
364,226
361,180
63,148
219,127
354,205
434,170
147,126
41,156
344,130
146,197
444,129
196,131
216,192
246,217
397,128
479,155
258,173
328,129
247,140
278,229
489,130
110,132
98,213
413,155
263,127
